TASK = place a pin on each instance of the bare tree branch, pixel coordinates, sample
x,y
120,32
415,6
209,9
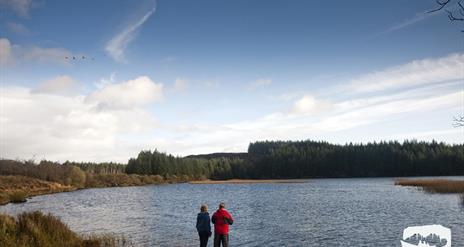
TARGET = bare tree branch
x,y
458,121
441,4
452,17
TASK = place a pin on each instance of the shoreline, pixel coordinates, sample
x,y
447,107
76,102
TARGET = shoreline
x,y
18,189
250,181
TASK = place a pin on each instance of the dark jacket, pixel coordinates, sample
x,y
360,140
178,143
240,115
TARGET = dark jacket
x,y
203,222
221,220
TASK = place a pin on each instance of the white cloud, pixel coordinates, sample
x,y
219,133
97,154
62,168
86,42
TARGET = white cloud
x,y
180,84
16,53
21,7
18,28
346,115
106,81
415,73
112,122
117,45
309,105
373,113
133,93
6,56
59,85
65,127
260,83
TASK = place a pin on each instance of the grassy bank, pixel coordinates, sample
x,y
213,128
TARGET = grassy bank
x,y
35,229
248,181
434,185
18,188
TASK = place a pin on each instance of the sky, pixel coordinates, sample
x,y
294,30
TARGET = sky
x,y
102,80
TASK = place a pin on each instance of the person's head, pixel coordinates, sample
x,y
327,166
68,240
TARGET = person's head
x,y
204,208
222,205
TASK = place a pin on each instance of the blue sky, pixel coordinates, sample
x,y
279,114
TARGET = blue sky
x,y
192,77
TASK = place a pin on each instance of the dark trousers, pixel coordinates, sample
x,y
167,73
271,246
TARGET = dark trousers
x,y
218,238
203,238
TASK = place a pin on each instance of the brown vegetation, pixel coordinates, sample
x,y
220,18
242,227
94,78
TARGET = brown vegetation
x,y
36,229
18,188
49,171
19,180
434,185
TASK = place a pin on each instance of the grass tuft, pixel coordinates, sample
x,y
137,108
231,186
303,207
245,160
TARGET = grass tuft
x,y
35,229
18,196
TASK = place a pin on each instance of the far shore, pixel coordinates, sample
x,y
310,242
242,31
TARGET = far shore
x,y
249,181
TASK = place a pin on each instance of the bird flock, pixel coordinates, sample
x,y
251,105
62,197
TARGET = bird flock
x,y
78,58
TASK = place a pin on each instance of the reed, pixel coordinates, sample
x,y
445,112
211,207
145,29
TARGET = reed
x,y
444,186
34,229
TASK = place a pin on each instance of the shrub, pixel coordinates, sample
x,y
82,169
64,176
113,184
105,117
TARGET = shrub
x,y
18,196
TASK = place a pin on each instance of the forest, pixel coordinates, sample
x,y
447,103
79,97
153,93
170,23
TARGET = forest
x,y
264,160
310,159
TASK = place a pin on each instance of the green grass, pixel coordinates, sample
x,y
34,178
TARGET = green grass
x,y
35,229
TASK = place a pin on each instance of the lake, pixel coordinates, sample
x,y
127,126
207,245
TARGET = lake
x,y
319,212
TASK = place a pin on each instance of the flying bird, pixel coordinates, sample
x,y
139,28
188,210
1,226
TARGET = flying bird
x,y
80,57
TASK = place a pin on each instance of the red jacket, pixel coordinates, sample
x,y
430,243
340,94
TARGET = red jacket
x,y
221,220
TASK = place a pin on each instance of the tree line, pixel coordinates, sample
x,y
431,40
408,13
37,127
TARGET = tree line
x,y
264,159
188,168
310,159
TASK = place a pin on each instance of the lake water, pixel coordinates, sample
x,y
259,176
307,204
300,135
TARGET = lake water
x,y
320,212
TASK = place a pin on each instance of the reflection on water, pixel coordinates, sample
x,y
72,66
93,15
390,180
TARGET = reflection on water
x,y
462,201
322,212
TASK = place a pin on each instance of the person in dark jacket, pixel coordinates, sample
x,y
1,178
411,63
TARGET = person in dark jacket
x,y
203,225
221,220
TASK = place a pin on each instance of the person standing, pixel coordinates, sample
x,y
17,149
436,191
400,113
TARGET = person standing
x,y
203,225
221,220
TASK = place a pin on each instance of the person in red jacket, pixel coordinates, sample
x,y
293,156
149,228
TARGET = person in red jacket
x,y
221,220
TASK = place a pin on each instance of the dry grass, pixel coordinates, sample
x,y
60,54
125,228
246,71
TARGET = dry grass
x,y
434,185
18,188
35,229
249,181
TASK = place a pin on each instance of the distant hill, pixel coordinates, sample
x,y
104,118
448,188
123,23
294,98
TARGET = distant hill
x,y
219,155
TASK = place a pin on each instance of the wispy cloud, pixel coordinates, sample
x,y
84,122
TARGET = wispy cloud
x,y
262,82
20,7
18,28
418,17
180,84
117,45
6,52
60,85
415,73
